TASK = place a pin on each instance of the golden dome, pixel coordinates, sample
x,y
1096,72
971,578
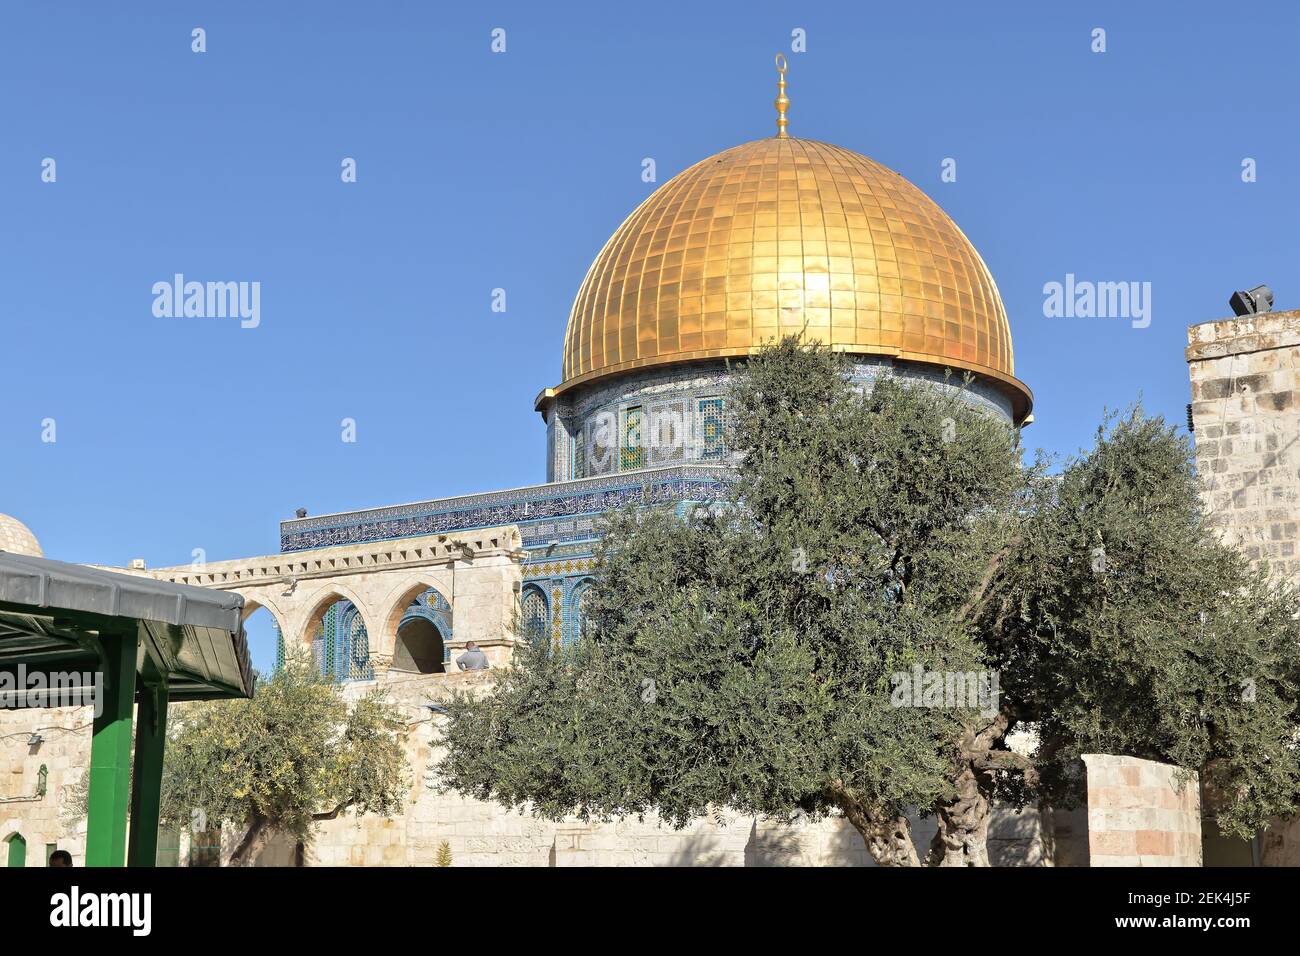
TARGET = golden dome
x,y
783,235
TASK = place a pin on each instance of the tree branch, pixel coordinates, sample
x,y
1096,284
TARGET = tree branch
x,y
982,590
1008,760
333,814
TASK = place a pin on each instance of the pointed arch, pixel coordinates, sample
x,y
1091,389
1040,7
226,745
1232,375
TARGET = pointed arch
x,y
260,602
397,602
418,628
338,634
313,606
579,599
255,603
534,614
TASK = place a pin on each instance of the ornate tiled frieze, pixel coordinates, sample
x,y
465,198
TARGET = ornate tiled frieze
x,y
559,511
978,392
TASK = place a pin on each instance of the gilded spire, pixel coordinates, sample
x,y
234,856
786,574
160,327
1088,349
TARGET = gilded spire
x,y
782,101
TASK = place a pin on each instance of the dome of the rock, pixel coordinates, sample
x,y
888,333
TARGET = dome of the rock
x,y
781,236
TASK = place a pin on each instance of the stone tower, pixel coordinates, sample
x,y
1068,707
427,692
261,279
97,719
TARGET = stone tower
x,y
1245,375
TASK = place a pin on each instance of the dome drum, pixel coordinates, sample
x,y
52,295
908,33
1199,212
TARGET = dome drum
x,y
663,416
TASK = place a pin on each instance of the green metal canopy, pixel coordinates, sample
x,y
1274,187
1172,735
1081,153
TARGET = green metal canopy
x,y
122,642
193,636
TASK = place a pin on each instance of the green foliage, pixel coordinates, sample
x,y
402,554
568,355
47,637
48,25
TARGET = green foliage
x,y
292,754
1126,627
444,854
76,801
742,656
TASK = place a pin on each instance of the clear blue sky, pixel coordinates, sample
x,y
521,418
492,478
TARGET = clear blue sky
x,y
479,171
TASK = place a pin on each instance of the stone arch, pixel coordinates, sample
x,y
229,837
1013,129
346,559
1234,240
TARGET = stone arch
x,y
313,605
310,615
396,602
259,600
256,601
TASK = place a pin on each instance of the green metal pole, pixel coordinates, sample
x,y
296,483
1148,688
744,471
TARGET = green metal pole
x,y
146,784
110,752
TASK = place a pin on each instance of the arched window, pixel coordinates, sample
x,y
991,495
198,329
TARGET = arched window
x,y
632,445
341,648
580,616
356,647
712,439
533,614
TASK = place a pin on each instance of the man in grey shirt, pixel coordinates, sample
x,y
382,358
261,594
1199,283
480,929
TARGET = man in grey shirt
x,y
473,659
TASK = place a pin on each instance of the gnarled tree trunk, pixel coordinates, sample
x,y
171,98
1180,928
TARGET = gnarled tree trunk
x,y
888,836
963,822
254,840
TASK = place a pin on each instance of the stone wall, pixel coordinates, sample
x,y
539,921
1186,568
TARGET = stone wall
x,y
1245,380
64,751
1142,813
482,834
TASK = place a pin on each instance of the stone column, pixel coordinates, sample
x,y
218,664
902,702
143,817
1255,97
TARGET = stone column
x,y
1142,813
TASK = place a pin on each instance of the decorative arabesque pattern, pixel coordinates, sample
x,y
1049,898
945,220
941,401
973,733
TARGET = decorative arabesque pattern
x,y
536,509
557,616
341,647
533,614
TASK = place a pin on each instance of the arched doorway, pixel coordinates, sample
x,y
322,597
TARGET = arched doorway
x,y
419,648
423,635
17,848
